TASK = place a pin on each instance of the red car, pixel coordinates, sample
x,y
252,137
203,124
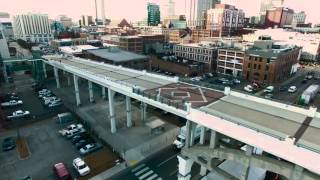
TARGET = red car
x,y
61,172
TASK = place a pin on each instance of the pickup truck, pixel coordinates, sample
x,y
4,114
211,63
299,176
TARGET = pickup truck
x,y
11,103
70,129
19,114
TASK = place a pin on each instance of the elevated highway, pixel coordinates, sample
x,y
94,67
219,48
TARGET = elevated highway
x,y
288,132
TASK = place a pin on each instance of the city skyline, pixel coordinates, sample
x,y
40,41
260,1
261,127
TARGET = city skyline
x,y
58,7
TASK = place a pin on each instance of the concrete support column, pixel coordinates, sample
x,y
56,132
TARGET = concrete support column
x,y
143,107
90,91
202,135
76,89
188,133
111,110
5,75
103,89
68,79
213,139
129,111
203,171
56,75
193,133
246,168
44,70
297,173
185,165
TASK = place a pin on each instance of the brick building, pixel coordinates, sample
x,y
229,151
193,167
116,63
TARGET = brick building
x,y
128,43
269,62
230,60
279,17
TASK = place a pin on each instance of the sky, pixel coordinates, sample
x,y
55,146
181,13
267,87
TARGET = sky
x,y
134,10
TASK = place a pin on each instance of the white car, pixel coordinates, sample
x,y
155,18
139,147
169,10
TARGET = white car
x,y
292,89
12,103
70,129
269,89
82,168
248,88
18,114
87,148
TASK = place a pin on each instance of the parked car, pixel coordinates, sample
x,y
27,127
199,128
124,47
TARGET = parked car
x,y
61,172
248,88
304,81
81,167
309,76
269,96
19,114
89,148
83,142
8,144
269,89
55,104
70,128
79,137
26,178
236,81
73,133
292,89
11,103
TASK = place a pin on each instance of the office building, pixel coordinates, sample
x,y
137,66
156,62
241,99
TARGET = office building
x,y
278,17
299,18
4,51
202,7
225,20
128,43
7,28
270,62
203,53
266,5
32,27
153,14
230,60
86,20
65,20
171,8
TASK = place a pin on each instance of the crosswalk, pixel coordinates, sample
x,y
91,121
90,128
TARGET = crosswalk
x,y
143,172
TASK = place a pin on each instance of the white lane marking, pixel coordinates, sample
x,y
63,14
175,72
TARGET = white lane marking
x,y
152,177
159,178
173,172
138,167
146,174
142,171
163,162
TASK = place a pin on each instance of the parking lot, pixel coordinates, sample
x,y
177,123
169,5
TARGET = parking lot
x,y
45,144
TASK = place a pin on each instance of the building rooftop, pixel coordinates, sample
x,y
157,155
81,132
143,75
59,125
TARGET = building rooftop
x,y
76,49
116,55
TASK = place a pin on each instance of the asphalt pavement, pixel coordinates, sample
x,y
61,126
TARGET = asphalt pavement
x,y
161,165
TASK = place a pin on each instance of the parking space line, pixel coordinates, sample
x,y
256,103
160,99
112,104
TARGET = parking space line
x,y
152,177
142,171
138,167
146,174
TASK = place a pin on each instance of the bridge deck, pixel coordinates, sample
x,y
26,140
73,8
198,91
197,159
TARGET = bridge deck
x,y
134,78
268,119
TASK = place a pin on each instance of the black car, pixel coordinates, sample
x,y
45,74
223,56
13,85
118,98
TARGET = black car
x,y
283,88
79,137
84,142
8,144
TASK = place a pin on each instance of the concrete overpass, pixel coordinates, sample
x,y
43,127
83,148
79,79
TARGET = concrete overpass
x,y
287,132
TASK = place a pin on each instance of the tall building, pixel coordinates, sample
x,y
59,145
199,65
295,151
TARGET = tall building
x,y
202,7
103,13
4,51
65,20
6,23
266,5
153,14
32,27
299,18
278,17
224,19
171,8
86,20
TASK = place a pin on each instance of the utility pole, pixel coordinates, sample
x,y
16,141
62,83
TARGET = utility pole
x,y
95,2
